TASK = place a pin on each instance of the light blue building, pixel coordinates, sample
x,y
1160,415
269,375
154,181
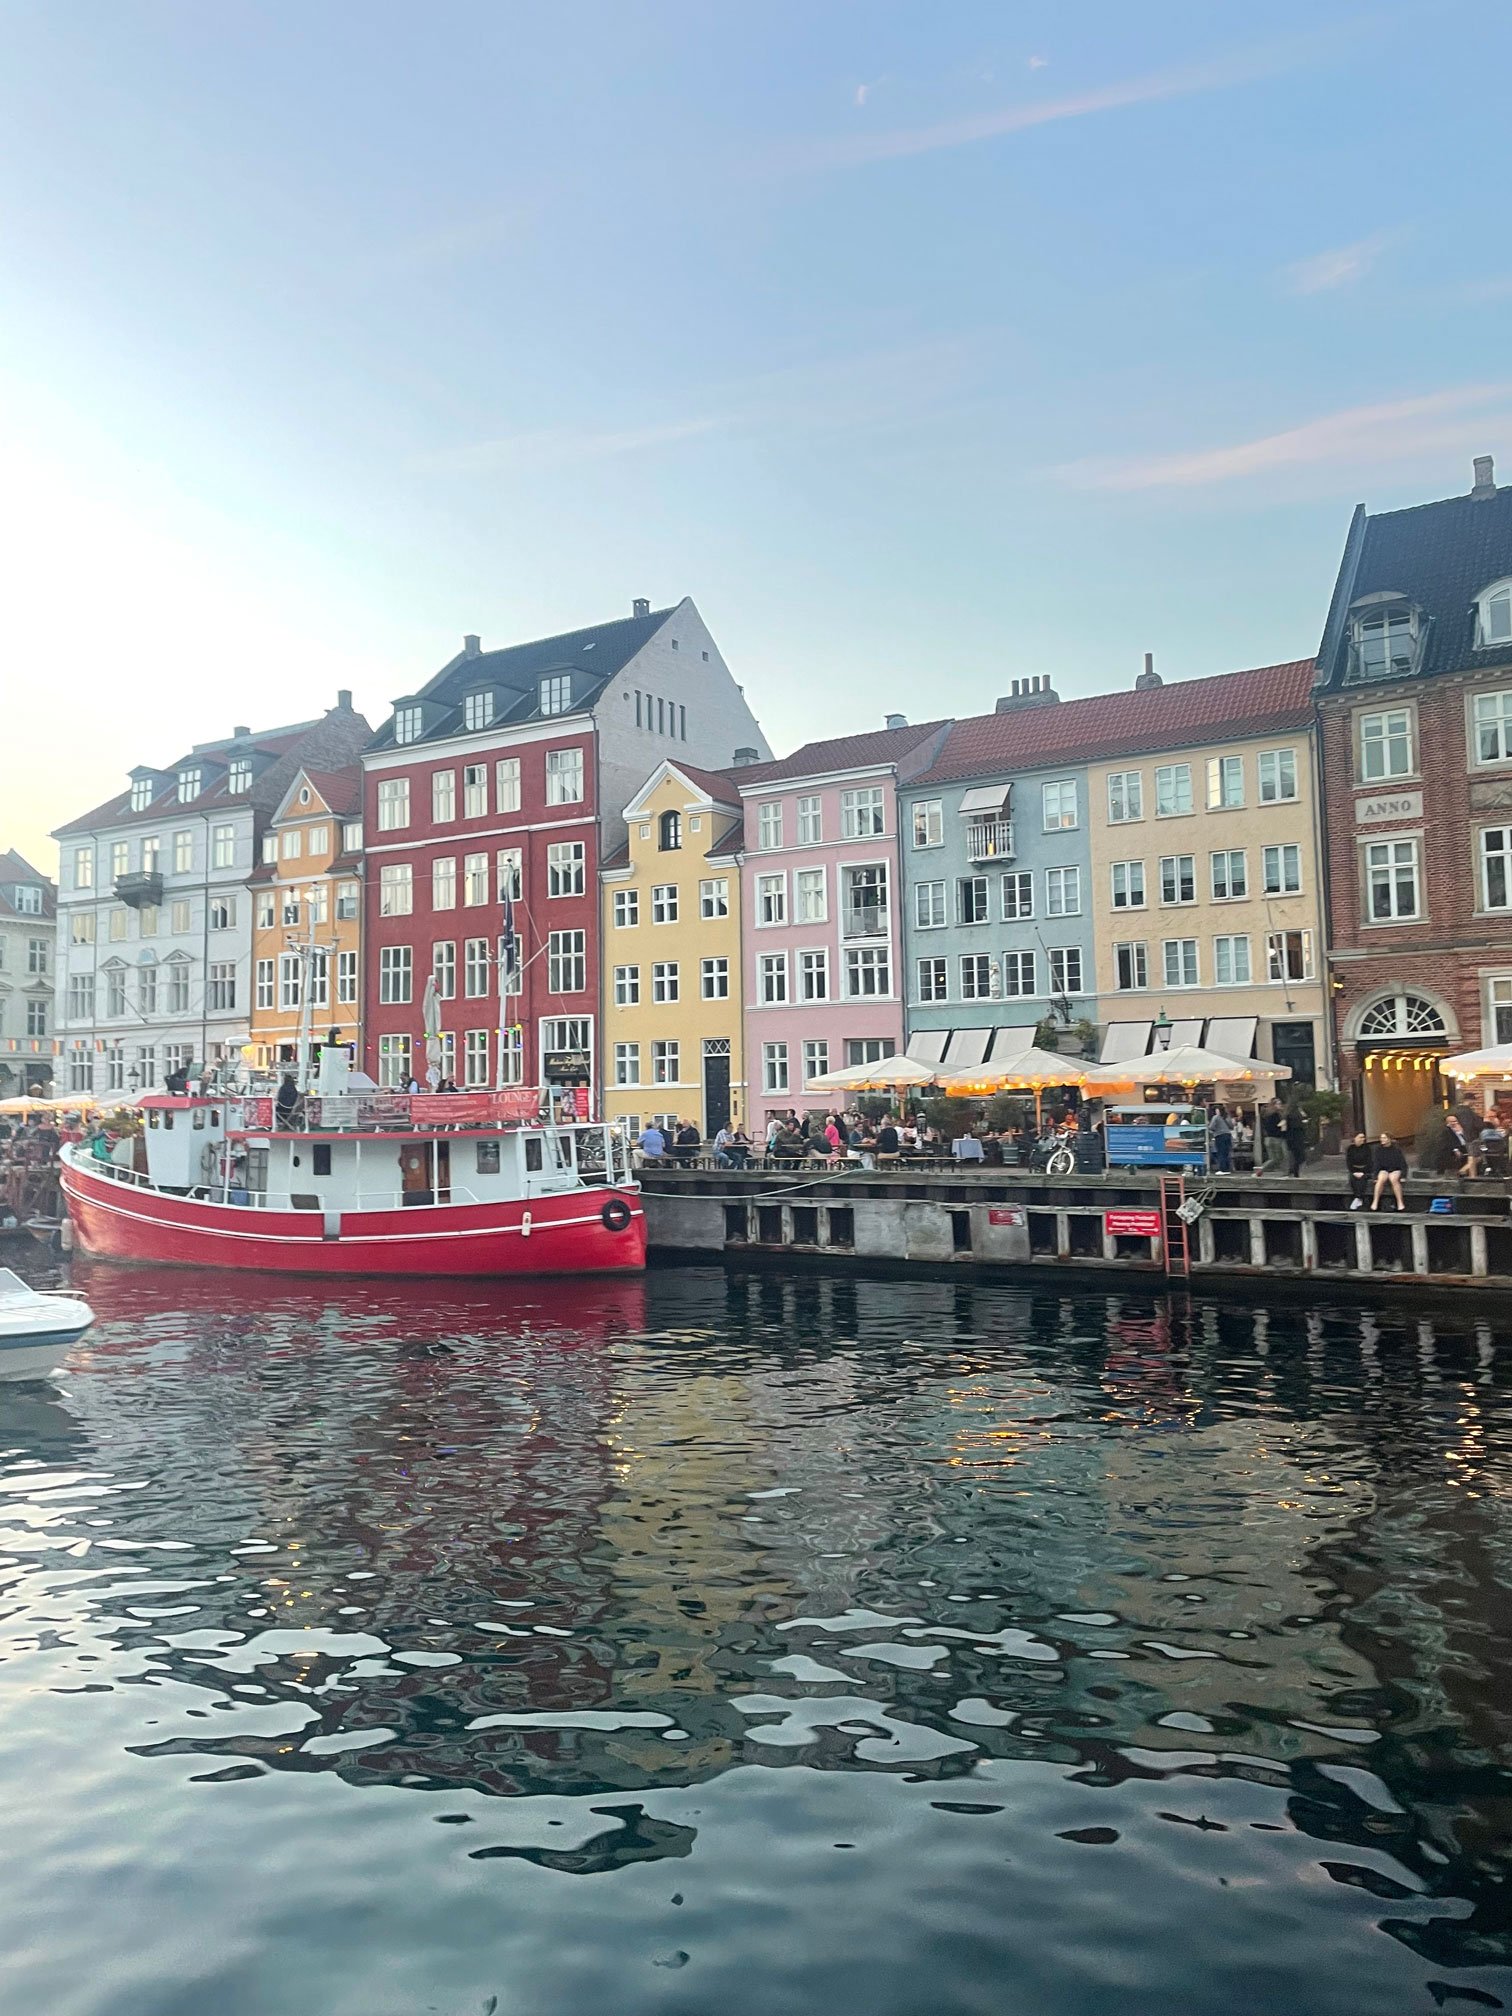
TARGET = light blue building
x,y
997,912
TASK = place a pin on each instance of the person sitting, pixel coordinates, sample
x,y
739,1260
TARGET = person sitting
x,y
652,1143
889,1147
786,1147
992,1148
1493,1146
724,1145
1359,1167
1390,1167
1456,1157
689,1141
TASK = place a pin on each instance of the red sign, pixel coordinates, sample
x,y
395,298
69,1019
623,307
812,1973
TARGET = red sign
x,y
1132,1224
1006,1214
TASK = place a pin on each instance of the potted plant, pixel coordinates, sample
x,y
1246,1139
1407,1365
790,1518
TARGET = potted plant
x,y
1325,1113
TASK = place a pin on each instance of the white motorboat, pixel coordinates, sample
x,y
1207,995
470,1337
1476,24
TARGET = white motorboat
x,y
36,1330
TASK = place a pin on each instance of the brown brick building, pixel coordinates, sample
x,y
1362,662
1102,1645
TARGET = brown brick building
x,y
1415,717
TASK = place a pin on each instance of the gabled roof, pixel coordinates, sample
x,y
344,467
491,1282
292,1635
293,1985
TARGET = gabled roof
x,y
1269,700
715,785
1439,556
340,791
16,868
600,650
845,752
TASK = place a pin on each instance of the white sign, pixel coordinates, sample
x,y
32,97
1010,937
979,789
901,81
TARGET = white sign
x,y
1395,805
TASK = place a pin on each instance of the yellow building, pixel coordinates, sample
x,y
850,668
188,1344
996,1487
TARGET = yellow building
x,y
308,885
1206,872
671,955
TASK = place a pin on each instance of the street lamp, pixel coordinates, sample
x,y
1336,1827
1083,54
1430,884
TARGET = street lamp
x,y
1162,1031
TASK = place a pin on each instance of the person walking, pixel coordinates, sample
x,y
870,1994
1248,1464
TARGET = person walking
x,y
1220,1141
1359,1167
1390,1167
1273,1139
1294,1133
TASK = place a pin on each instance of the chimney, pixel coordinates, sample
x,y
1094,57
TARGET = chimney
x,y
1485,477
1149,678
895,720
343,700
744,758
1036,691
640,606
240,734
471,645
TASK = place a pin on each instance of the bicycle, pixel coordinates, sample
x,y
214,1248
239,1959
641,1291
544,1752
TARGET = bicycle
x,y
1061,1160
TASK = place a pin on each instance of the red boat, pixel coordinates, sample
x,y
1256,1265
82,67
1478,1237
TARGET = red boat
x,y
467,1183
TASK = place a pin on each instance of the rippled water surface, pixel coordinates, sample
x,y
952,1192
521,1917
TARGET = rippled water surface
x,y
746,1645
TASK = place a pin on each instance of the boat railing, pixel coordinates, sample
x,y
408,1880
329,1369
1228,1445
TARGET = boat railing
x,y
389,1112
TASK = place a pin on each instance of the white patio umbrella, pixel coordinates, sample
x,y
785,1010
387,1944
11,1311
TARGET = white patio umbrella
x,y
1493,1062
1031,1070
430,1021
1186,1064
888,1074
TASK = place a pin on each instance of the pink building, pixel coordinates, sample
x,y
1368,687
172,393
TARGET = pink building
x,y
822,935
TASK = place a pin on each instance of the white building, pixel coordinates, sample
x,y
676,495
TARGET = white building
x,y
154,915
28,924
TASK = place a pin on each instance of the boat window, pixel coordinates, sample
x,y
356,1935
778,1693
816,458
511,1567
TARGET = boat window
x,y
215,1116
488,1158
533,1153
199,1119
152,1116
322,1158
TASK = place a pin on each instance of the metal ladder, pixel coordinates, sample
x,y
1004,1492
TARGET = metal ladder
x,y
1174,1243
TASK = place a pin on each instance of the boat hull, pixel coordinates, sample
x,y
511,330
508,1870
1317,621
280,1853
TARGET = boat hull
x,y
35,1357
573,1232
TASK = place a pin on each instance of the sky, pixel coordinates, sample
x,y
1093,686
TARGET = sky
x,y
924,346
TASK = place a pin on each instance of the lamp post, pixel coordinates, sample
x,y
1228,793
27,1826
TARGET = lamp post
x,y
1162,1031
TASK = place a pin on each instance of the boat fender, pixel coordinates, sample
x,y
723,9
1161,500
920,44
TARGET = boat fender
x,y
525,1225
616,1215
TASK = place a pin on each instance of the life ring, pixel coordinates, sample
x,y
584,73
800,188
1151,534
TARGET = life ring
x,y
616,1215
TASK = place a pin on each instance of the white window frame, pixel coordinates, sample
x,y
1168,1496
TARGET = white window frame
x,y
1063,892
1404,852
1232,949
931,906
1275,769
928,823
1126,885
1181,947
863,813
1173,791
1381,732
626,909
1059,798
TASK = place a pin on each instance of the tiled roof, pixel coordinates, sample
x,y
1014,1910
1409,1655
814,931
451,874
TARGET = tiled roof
x,y
1271,699
600,650
717,783
845,752
728,841
16,868
1440,556
619,858
341,789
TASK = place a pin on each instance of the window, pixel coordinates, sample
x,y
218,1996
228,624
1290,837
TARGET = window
x,y
443,884
115,991
408,724
815,1059
868,972
1063,892
36,955
289,993
1386,745
396,894
289,909
929,823
1065,969
810,822
507,784
188,784
269,849
1125,796
769,825
83,868
475,791
293,844
1282,870
1499,1000
1128,885
1229,869
1493,616
1385,642
395,974
1180,962
1173,790
929,905
626,909
664,903
1018,897
771,899
183,853
346,977
141,793
714,979
565,867
475,968
772,979
1391,879
556,693
393,804
351,836
971,899
813,976
1225,783
665,986
861,813
1019,980
1130,967
443,796
1231,962
474,880
36,1018
393,1061
120,860
1178,878
666,1063
1495,854
626,986
509,874
320,980
444,967
475,1073
1493,727
147,921
150,849
774,1067
1277,771
977,973
81,929
320,841
147,1000
222,913
179,916
222,984
932,984
478,710
1059,799
564,776
81,997
714,898
120,918
567,962
627,1064
669,832
1289,955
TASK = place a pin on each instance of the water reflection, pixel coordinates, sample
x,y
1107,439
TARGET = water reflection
x,y
845,1604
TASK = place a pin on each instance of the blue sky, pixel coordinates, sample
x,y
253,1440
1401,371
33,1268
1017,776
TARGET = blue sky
x,y
924,346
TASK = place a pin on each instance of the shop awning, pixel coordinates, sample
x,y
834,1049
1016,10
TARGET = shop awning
x,y
967,1046
1185,1035
1122,1040
1232,1035
1012,1042
927,1046
985,798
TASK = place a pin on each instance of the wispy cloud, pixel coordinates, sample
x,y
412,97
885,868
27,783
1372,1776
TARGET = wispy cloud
x,y
1358,437
1341,267
1039,62
557,447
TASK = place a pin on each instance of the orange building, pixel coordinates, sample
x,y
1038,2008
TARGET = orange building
x,y
307,890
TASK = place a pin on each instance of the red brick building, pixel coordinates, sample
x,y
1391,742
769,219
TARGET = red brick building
x,y
1415,715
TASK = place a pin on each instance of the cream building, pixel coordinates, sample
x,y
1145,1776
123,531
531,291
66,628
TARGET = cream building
x,y
671,959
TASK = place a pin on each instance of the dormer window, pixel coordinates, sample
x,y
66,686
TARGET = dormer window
x,y
407,724
556,693
188,784
669,836
141,793
478,709
1385,639
351,836
28,899
239,776
1493,616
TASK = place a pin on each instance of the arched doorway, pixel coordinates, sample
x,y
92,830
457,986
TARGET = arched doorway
x,y
1399,1038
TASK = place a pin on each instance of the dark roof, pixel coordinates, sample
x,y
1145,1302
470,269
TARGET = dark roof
x,y
619,858
1269,700
16,868
601,650
341,789
1440,556
845,752
727,842
718,784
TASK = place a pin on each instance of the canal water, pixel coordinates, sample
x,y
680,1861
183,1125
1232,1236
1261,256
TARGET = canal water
x,y
736,1644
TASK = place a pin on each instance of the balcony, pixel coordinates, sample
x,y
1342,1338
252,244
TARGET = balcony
x,y
864,920
989,840
143,891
